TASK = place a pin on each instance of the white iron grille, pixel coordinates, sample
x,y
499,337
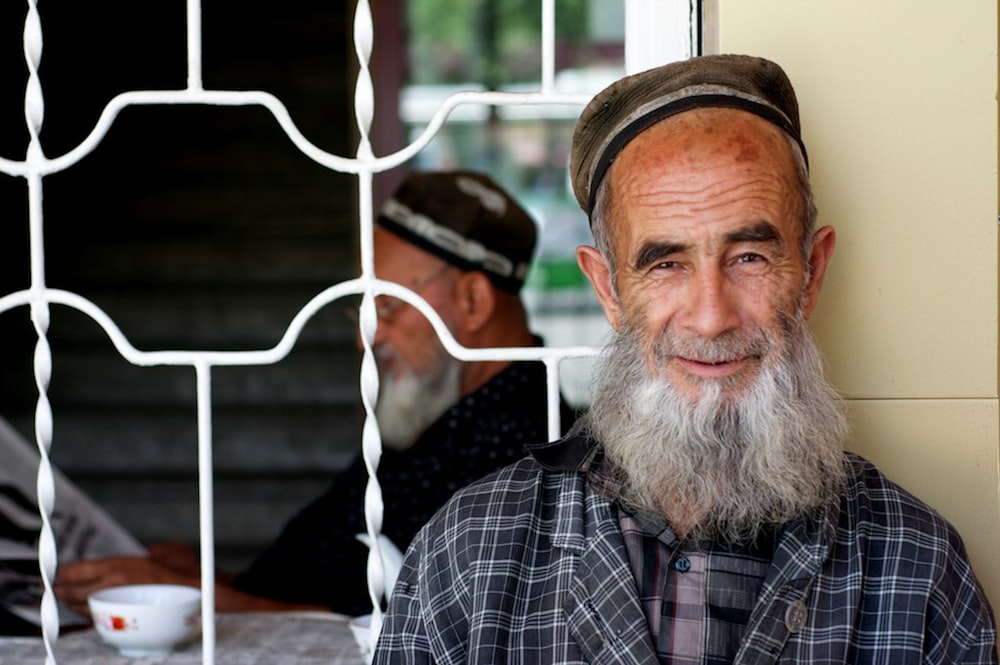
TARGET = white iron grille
x,y
657,31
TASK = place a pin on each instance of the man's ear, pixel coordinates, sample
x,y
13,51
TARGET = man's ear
x,y
824,241
476,301
596,269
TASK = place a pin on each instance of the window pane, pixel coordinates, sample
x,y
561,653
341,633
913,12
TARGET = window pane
x,y
496,45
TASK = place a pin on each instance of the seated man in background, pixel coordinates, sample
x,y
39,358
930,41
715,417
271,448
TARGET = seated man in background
x,y
464,245
704,511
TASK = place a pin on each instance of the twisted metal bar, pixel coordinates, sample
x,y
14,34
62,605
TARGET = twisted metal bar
x,y
45,484
371,441
34,112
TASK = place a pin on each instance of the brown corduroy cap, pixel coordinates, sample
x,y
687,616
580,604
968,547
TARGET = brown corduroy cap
x,y
466,219
627,107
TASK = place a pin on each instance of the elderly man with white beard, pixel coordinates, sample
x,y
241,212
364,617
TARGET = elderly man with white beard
x,y
464,244
704,511
461,242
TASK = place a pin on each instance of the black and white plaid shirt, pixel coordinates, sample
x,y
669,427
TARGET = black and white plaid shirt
x,y
698,598
530,566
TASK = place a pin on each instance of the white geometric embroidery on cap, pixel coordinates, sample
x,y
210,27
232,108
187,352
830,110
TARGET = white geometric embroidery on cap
x,y
491,199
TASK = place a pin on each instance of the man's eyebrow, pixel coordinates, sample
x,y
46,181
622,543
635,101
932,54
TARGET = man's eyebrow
x,y
759,232
653,251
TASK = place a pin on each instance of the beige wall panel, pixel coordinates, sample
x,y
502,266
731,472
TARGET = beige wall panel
x,y
900,117
945,452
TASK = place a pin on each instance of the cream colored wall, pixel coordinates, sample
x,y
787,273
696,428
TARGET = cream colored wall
x,y
899,112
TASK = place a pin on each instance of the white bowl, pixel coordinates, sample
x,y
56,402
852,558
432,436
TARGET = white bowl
x,y
146,619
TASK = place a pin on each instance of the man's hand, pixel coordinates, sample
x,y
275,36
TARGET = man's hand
x,y
183,558
75,581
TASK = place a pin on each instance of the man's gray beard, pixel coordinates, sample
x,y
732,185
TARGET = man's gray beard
x,y
409,403
728,465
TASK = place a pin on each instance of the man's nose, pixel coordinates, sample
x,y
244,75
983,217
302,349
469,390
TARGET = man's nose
x,y
712,307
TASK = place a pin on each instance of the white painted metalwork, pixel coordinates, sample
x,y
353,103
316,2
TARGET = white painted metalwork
x,y
656,31
34,111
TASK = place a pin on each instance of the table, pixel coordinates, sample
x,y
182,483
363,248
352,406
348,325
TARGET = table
x,y
265,638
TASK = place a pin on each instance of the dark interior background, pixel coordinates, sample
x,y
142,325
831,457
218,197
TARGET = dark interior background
x,y
193,227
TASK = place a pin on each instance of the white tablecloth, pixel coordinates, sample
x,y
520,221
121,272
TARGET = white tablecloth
x,y
241,639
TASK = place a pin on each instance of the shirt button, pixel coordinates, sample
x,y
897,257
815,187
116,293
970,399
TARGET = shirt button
x,y
682,564
795,616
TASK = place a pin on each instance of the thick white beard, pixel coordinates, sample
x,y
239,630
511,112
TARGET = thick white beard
x,y
409,402
723,466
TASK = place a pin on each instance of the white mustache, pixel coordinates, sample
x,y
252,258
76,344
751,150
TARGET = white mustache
x,y
726,348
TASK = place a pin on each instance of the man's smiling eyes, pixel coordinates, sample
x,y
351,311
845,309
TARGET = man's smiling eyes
x,y
654,255
745,258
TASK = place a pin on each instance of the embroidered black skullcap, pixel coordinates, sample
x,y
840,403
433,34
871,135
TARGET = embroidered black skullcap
x,y
627,107
466,219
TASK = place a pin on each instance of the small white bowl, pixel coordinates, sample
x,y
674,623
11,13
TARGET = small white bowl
x,y
146,619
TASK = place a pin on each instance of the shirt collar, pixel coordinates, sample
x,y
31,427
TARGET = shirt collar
x,y
575,451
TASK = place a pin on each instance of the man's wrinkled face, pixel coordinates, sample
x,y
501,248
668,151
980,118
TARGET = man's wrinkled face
x,y
706,223
418,379
711,404
401,327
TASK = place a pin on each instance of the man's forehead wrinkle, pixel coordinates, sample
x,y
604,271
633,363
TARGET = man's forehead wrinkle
x,y
681,201
697,191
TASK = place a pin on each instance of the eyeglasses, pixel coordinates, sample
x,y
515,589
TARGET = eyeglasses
x,y
387,306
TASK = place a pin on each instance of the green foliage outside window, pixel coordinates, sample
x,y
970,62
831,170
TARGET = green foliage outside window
x,y
492,41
